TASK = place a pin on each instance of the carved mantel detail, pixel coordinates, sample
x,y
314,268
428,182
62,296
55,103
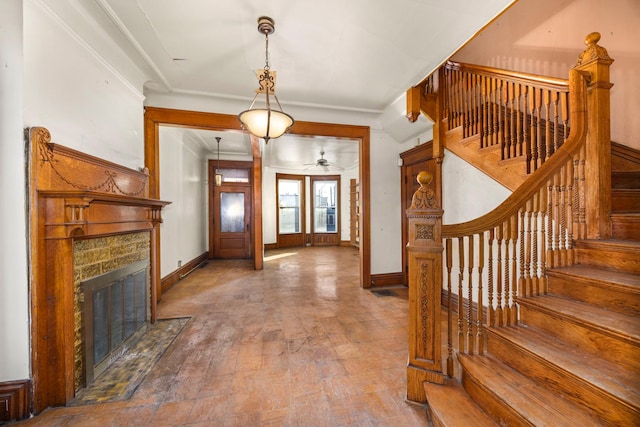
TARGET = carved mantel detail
x,y
74,195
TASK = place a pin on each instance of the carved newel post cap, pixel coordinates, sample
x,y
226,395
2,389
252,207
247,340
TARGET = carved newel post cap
x,y
424,178
592,38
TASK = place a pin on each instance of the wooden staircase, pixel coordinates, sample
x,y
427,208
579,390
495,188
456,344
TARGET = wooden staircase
x,y
541,295
574,357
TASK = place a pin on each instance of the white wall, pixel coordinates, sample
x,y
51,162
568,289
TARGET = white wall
x,y
14,295
546,36
467,193
386,220
183,232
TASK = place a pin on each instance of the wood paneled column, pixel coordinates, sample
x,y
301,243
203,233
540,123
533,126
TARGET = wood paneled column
x,y
425,286
596,62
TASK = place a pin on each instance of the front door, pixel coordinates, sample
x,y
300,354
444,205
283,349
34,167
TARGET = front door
x,y
232,222
230,210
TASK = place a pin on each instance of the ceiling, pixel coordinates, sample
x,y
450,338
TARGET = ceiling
x,y
354,55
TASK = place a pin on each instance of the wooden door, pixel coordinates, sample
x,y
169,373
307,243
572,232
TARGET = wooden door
x,y
290,212
325,210
413,161
232,221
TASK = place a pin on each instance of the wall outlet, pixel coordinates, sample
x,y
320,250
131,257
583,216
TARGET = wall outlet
x,y
179,263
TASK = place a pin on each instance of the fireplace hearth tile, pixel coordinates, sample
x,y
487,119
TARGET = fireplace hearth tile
x,y
122,378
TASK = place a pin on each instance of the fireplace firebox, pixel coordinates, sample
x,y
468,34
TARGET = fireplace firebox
x,y
115,315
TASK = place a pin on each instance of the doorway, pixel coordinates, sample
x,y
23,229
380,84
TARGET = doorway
x,y
230,210
413,162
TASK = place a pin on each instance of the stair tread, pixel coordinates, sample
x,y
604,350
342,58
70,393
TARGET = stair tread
x,y
601,275
624,326
607,376
532,401
445,402
619,244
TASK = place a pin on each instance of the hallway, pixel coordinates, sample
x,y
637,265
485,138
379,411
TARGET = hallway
x,y
297,344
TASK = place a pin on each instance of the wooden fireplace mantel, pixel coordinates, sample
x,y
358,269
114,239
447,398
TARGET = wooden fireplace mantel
x,y
73,195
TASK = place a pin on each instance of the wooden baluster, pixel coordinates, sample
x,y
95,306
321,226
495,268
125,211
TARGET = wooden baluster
x,y
532,156
461,347
513,116
485,126
447,97
480,317
543,240
548,138
556,122
534,245
517,150
507,277
499,310
550,242
494,118
583,190
501,118
570,198
490,310
526,127
465,105
556,220
525,250
474,104
565,115
470,323
514,270
449,314
563,218
539,133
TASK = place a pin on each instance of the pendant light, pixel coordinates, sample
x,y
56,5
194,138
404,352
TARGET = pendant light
x,y
218,174
266,123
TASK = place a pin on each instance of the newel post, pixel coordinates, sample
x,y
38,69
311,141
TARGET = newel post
x,y
596,61
424,251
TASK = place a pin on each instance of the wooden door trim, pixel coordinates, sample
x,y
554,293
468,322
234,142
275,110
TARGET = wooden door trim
x,y
154,117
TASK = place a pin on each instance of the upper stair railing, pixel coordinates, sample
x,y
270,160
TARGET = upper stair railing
x,y
492,261
525,115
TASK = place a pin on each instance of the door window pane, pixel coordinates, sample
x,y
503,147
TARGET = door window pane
x,y
232,212
289,206
325,205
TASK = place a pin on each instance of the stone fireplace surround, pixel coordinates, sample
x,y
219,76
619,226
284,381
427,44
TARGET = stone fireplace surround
x,y
74,197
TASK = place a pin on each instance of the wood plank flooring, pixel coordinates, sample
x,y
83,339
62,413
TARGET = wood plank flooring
x,y
297,344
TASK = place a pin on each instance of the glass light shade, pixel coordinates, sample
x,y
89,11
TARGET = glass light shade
x,y
265,123
218,179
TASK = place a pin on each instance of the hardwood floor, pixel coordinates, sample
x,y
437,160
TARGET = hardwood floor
x,y
299,343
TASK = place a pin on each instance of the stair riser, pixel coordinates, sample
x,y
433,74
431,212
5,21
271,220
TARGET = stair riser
x,y
625,227
571,387
625,180
619,299
625,200
627,261
497,409
625,353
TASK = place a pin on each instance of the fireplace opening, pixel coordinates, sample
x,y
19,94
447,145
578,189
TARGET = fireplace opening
x,y
115,315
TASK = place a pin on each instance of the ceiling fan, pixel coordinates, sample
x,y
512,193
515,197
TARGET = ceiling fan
x,y
322,162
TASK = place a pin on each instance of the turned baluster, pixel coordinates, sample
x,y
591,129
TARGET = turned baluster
x,y
556,220
548,138
480,317
507,277
513,319
524,252
499,310
491,312
526,127
513,117
470,322
449,315
570,214
563,219
502,117
461,345
543,240
520,118
555,97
